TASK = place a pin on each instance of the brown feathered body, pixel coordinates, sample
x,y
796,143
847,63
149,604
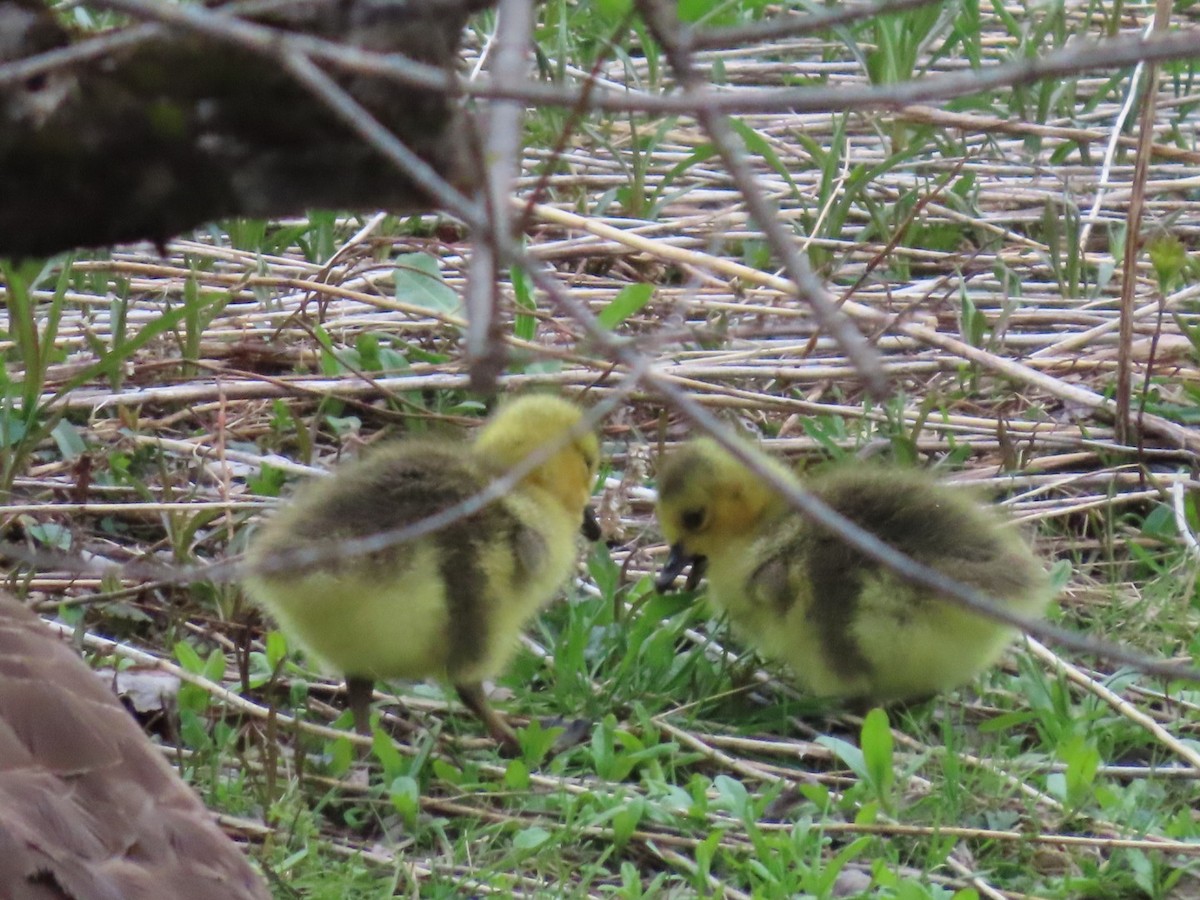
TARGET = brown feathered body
x,y
89,808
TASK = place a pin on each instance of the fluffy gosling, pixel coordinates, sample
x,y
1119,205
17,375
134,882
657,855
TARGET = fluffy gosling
x,y
847,626
450,604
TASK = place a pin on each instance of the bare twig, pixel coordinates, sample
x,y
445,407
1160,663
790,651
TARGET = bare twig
x,y
1133,234
485,350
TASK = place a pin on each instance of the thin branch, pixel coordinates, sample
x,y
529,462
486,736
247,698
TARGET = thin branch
x,y
793,25
1081,57
485,350
1133,237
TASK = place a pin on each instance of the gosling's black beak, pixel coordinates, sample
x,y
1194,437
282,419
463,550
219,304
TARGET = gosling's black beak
x,y
591,525
678,560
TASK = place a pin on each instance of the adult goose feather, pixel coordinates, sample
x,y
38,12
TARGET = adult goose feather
x,y
89,808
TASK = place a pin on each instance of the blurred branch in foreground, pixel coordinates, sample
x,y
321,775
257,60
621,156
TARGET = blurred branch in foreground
x,y
169,128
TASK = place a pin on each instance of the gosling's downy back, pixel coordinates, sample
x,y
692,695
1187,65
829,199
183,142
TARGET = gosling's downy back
x,y
393,486
406,481
930,522
885,638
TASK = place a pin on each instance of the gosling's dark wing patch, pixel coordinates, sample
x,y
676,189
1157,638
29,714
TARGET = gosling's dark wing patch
x,y
528,547
468,598
773,584
466,595
835,572
898,510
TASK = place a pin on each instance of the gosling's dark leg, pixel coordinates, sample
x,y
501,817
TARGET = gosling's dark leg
x,y
359,693
860,706
472,697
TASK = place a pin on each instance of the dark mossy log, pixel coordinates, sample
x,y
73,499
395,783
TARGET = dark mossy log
x,y
180,129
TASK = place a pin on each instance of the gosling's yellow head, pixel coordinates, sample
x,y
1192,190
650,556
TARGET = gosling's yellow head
x,y
706,498
537,422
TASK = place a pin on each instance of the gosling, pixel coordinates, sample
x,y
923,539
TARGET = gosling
x,y
449,604
847,626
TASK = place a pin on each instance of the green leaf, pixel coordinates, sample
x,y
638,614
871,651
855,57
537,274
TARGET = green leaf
x,y
277,648
876,740
700,154
525,323
850,756
516,775
268,481
341,756
367,345
827,879
529,839
630,300
1169,257
974,323
405,795
446,772
50,534
191,729
214,666
761,147
69,440
627,819
1083,761
187,656
712,12
419,281
536,742
734,796
704,854
259,671
614,10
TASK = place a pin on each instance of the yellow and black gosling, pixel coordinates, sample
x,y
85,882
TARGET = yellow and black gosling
x,y
450,604
847,626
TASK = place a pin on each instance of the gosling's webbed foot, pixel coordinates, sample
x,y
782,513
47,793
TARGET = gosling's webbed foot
x,y
473,698
575,732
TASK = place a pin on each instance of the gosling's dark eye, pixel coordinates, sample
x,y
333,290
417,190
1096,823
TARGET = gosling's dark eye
x,y
692,519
